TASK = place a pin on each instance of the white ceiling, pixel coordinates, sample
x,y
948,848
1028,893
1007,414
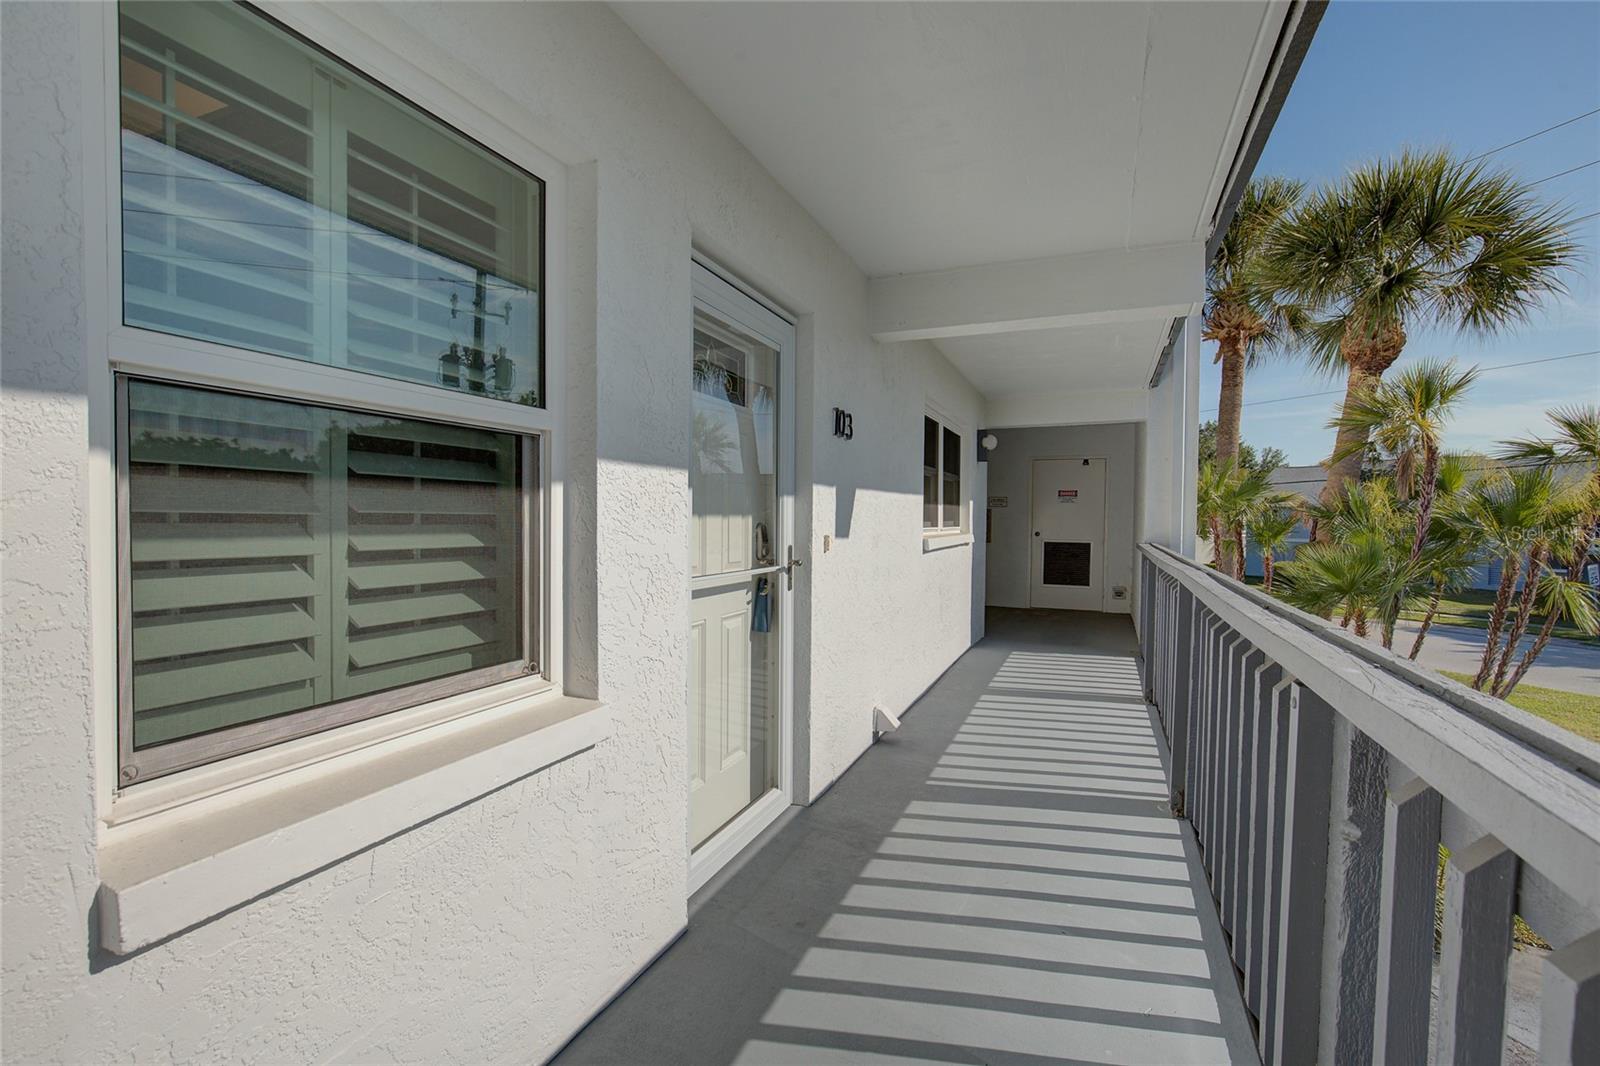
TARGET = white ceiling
x,y
928,136
1057,360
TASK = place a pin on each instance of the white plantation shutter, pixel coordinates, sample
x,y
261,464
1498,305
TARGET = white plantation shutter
x,y
284,556
431,564
230,560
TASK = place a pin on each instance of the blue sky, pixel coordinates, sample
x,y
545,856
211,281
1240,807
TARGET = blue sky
x,y
1472,76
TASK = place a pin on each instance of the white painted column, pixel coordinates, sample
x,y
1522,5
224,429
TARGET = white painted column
x,y
1186,456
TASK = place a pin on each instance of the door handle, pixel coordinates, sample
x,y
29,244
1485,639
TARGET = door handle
x,y
788,569
1036,532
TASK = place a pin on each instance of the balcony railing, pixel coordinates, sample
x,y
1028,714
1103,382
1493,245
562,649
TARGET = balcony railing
x,y
1321,774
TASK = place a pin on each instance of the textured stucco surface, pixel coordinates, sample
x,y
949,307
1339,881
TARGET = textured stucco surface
x,y
490,932
1010,475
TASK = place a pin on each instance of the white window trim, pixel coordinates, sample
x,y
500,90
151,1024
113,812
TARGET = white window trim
x,y
942,536
520,715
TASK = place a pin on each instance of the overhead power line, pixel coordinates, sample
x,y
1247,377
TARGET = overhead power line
x,y
1481,369
1564,173
1536,133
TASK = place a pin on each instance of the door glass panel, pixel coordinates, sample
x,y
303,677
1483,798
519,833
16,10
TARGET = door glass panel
x,y
733,476
734,616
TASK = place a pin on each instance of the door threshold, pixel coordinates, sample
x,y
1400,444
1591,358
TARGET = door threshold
x,y
731,839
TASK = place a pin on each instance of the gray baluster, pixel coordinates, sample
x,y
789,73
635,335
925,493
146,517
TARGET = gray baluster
x,y
1479,885
1405,924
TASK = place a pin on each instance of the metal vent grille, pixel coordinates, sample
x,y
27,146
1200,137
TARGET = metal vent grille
x,y
1066,563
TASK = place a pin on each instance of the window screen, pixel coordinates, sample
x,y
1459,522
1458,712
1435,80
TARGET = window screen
x,y
282,557
275,200
930,473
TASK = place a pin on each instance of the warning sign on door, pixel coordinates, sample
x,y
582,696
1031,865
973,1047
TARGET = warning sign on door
x,y
1066,495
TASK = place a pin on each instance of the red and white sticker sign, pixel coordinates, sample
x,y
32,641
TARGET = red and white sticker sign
x,y
1066,494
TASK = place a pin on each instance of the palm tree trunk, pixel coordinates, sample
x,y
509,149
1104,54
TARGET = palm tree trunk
x,y
1427,617
1367,355
1348,469
1230,399
1497,619
1361,622
1532,653
1430,474
1585,544
1519,625
1216,544
1230,402
1586,541
1238,553
1266,570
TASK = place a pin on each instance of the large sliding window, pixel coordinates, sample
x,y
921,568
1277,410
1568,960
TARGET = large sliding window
x,y
287,566
276,200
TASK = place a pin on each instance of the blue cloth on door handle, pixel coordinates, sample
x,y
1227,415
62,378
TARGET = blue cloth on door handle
x,y
761,615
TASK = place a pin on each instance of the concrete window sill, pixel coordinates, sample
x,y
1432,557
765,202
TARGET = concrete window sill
x,y
932,542
179,868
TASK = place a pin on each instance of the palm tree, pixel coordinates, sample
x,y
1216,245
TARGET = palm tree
x,y
1270,530
1419,239
1563,535
1524,517
1208,490
1228,498
1576,443
1454,542
1238,314
1405,418
1559,597
1346,578
1377,530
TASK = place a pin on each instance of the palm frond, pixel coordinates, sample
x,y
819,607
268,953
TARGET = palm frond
x,y
1418,238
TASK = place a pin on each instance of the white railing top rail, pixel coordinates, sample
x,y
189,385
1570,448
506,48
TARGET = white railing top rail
x,y
1532,785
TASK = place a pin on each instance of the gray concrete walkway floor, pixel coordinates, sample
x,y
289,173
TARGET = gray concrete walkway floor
x,y
997,882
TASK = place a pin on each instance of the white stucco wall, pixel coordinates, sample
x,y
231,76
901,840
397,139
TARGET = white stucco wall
x,y
1009,472
493,930
1170,447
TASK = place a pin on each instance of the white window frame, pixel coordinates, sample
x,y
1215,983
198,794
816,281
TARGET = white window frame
x,y
962,526
115,350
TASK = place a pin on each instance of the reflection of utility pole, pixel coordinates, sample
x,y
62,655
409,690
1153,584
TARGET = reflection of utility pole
x,y
480,297
497,374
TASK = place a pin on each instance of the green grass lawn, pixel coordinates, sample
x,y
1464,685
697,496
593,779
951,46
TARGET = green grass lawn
x,y
1471,607
1570,710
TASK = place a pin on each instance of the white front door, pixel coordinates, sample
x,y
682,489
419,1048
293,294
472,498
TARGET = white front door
x,y
741,484
1067,562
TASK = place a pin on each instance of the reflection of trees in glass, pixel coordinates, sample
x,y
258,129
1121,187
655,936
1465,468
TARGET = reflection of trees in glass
x,y
713,447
